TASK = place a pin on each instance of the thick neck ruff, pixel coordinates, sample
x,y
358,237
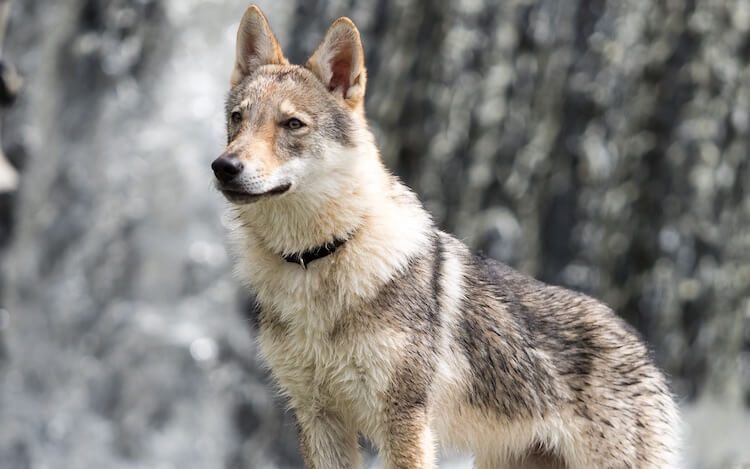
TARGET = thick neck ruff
x,y
306,257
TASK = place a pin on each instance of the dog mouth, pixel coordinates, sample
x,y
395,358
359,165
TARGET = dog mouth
x,y
238,196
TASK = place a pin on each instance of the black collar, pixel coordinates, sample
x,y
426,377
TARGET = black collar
x,y
304,258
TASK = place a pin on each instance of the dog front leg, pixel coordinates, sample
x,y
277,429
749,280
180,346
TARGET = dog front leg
x,y
409,443
327,443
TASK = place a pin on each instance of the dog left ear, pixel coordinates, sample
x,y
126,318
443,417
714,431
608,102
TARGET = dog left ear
x,y
339,62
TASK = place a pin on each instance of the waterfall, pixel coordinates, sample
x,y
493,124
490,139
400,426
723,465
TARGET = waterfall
x,y
598,145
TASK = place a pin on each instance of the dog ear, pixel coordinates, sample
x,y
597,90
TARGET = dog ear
x,y
256,45
339,62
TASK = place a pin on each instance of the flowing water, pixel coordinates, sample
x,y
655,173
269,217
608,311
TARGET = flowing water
x,y
126,339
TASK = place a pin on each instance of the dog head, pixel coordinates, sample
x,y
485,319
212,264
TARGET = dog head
x,y
291,128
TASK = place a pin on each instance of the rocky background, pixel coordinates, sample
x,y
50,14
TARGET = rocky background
x,y
598,144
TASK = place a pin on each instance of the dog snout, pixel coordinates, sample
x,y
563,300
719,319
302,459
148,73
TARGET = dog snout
x,y
226,167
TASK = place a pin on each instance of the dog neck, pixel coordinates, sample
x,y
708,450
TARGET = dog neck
x,y
320,211
386,223
358,200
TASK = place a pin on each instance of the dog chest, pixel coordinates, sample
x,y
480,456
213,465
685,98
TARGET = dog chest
x,y
347,374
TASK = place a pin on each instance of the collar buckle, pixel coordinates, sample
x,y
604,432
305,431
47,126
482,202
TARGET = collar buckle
x,y
319,252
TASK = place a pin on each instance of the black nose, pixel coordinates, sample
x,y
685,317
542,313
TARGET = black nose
x,y
226,167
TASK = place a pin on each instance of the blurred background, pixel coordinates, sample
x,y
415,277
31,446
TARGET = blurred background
x,y
597,144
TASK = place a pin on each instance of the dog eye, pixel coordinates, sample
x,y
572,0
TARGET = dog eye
x,y
294,124
236,117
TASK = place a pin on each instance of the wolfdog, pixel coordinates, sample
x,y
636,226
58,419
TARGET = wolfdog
x,y
375,322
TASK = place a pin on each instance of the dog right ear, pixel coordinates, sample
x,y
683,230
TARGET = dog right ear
x,y
256,45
